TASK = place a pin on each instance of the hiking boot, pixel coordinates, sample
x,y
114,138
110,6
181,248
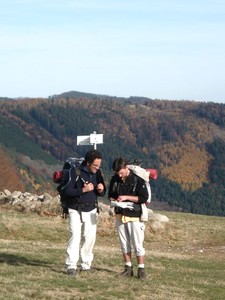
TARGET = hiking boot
x,y
128,271
141,273
71,272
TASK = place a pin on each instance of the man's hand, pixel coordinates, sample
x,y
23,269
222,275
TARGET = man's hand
x,y
100,187
127,198
88,187
122,198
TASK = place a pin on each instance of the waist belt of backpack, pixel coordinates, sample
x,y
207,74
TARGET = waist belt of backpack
x,y
79,206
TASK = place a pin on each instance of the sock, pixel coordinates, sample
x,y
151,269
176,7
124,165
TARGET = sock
x,y
129,264
141,266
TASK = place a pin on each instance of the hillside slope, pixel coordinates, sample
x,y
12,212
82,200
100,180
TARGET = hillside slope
x,y
9,177
185,141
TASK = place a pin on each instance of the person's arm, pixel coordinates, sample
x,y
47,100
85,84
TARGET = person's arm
x,y
112,192
130,198
100,188
73,191
141,191
77,186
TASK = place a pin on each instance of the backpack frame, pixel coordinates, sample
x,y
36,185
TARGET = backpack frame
x,y
63,179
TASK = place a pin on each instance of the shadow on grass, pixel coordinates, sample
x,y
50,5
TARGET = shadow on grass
x,y
103,269
17,260
93,270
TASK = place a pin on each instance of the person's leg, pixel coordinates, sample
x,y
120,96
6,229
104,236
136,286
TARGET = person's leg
x,y
74,240
140,260
138,242
88,238
127,258
123,233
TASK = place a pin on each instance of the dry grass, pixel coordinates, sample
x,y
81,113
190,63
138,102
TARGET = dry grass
x,y
186,261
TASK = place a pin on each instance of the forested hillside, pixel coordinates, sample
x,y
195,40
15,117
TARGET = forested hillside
x,y
184,140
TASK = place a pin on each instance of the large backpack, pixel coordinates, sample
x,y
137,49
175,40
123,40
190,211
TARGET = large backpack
x,y
145,174
63,179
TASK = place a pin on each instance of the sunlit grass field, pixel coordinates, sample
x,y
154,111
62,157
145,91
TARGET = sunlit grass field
x,y
185,261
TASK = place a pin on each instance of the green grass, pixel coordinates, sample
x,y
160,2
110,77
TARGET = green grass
x,y
185,261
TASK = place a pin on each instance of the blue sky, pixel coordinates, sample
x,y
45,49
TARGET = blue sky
x,y
162,49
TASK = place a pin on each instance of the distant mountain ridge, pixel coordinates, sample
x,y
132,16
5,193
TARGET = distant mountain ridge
x,y
184,140
78,95
82,95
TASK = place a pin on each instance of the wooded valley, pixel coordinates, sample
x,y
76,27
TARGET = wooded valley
x,y
183,140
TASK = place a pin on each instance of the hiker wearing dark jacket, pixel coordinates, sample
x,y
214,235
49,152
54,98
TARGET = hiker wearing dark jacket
x,y
127,192
81,195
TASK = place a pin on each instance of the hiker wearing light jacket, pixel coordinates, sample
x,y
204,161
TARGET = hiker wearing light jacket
x,y
127,192
82,194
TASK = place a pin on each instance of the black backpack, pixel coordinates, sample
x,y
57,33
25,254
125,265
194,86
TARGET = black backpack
x,y
63,179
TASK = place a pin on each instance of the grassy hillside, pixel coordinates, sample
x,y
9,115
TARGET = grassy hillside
x,y
185,261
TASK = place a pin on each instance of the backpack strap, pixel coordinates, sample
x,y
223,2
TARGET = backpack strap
x,y
116,185
135,183
67,177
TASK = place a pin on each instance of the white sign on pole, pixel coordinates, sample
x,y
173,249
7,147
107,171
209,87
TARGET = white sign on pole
x,y
83,140
96,138
91,139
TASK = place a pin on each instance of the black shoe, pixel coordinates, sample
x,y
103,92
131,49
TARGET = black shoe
x,y
128,271
71,272
141,273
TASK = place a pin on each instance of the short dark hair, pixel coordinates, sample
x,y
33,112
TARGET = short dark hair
x,y
91,155
118,164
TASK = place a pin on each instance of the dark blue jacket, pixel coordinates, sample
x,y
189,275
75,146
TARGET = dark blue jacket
x,y
78,200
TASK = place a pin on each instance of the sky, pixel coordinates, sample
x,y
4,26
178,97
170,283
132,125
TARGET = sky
x,y
160,49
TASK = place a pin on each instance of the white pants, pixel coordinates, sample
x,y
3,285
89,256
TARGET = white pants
x,y
82,228
131,234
